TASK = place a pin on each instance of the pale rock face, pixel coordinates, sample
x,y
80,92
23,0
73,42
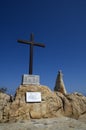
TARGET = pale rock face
x,y
19,109
53,104
4,101
59,85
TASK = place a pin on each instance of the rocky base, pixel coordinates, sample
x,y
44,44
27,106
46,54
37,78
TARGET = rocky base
x,y
53,104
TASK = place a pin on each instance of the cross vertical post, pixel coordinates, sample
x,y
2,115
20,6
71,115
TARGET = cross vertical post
x,y
31,55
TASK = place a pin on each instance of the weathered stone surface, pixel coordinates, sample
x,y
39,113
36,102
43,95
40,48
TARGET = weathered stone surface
x,y
66,105
4,101
78,104
83,118
46,108
53,104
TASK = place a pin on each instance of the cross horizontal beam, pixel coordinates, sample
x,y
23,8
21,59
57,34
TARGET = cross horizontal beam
x,y
31,42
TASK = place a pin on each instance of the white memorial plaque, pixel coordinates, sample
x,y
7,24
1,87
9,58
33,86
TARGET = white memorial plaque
x,y
30,79
33,96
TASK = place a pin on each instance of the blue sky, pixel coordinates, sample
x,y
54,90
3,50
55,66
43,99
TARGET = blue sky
x,y
60,25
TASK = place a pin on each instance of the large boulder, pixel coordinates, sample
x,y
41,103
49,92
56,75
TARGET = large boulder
x,y
78,104
50,106
74,105
53,104
4,101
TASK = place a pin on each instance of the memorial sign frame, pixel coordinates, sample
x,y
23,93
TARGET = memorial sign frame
x,y
33,97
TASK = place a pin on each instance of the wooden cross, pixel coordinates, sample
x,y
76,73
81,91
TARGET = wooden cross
x,y
32,44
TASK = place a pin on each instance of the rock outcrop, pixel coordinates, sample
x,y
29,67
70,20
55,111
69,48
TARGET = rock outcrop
x,y
4,101
50,106
53,104
59,85
74,105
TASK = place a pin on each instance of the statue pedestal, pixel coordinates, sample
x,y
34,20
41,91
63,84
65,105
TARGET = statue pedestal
x,y
30,79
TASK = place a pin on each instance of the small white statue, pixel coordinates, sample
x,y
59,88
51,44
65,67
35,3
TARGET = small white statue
x,y
59,85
